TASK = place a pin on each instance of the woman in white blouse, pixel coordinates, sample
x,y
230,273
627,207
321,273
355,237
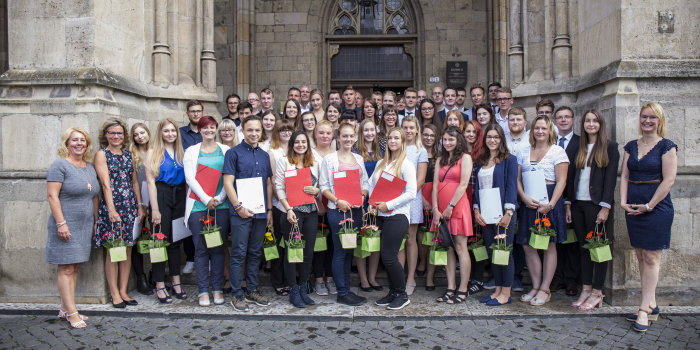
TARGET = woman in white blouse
x,y
542,155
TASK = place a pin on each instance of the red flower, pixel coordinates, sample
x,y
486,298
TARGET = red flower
x,y
589,235
159,235
600,233
207,221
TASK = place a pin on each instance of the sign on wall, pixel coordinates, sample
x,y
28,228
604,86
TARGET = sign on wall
x,y
456,74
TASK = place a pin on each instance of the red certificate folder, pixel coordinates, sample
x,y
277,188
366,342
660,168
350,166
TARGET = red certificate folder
x,y
388,187
295,181
208,178
347,186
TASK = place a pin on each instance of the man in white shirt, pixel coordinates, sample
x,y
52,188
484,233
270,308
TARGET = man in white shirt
x,y
493,95
267,101
305,98
517,137
505,101
437,98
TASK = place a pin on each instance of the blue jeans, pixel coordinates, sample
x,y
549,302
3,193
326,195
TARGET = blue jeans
x,y
342,258
204,256
246,245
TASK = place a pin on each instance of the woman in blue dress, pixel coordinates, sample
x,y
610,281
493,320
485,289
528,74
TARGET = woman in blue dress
x,y
649,170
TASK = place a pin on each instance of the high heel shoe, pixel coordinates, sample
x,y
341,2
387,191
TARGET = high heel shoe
x,y
165,300
653,316
79,324
181,295
64,315
593,301
539,302
638,327
582,298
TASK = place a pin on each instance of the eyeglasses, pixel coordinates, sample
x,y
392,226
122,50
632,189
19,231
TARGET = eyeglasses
x,y
286,132
493,137
560,117
428,136
195,111
503,99
115,133
226,131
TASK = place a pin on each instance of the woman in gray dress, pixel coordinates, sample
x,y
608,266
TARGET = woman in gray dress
x,y
72,188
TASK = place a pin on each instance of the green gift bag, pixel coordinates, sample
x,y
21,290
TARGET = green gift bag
x,y
117,254
359,253
480,253
348,240
282,244
601,254
370,244
158,255
213,239
428,238
142,246
271,253
500,257
403,244
295,255
539,241
570,236
321,244
438,257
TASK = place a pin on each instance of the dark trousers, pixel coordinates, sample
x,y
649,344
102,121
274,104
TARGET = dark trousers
x,y
171,203
502,274
323,260
307,226
137,262
583,215
342,258
276,265
518,261
247,237
206,259
393,228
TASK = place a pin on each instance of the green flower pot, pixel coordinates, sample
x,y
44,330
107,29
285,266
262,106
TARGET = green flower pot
x,y
480,253
348,240
539,241
371,244
295,255
117,254
321,244
428,238
570,236
601,254
213,239
438,257
271,253
158,254
403,244
500,257
359,253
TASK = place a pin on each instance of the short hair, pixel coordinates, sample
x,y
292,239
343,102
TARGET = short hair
x,y
243,105
347,114
292,89
516,110
348,87
449,88
191,103
461,89
110,123
544,103
477,86
410,89
267,91
505,90
251,118
377,93
206,121
63,147
390,93
495,83
232,95
332,92
659,113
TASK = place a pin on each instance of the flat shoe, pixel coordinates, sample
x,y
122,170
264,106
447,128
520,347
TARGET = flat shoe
x,y
366,289
121,305
485,299
430,288
495,302
377,287
131,302
410,288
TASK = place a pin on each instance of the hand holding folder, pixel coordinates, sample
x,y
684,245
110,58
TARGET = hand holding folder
x,y
347,186
294,182
388,187
208,179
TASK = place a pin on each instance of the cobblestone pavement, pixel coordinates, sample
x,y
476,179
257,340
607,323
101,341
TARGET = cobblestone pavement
x,y
490,332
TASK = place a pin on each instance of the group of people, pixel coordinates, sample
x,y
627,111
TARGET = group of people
x,y
451,158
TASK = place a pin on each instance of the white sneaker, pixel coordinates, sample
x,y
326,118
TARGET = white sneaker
x,y
189,267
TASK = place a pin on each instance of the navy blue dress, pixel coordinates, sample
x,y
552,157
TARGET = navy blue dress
x,y
649,231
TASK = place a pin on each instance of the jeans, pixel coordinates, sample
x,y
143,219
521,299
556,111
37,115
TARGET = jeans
x,y
171,203
307,226
205,257
584,215
393,228
502,275
342,258
247,237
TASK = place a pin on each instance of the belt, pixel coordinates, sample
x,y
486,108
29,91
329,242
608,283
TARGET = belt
x,y
645,182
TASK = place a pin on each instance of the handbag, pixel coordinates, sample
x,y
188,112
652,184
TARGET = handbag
x,y
444,230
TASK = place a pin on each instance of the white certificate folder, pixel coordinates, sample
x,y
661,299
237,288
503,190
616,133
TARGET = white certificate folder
x,y
534,185
250,194
490,205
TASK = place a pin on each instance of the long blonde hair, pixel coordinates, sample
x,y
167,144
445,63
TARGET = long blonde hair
x,y
156,151
396,169
135,147
419,130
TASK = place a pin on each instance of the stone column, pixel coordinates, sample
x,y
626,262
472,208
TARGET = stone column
x,y
561,50
245,27
161,49
208,59
198,30
515,50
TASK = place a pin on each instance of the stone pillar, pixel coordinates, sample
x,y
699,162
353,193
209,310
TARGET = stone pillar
x,y
515,50
174,41
561,50
161,49
198,30
245,22
208,59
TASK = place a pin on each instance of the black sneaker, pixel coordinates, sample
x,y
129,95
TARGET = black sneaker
x,y
387,299
400,300
349,299
239,303
257,298
362,299
475,287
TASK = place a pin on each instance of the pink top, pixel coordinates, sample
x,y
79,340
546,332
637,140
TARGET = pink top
x,y
342,166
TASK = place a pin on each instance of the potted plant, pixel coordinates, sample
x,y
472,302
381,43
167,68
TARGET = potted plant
x,y
270,245
144,240
500,251
156,247
478,248
598,245
115,244
370,234
403,242
210,231
295,245
541,231
347,233
321,244
438,252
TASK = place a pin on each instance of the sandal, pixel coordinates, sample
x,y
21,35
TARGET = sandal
x,y
539,302
527,297
447,296
283,292
458,298
594,300
80,324
181,295
638,327
585,293
167,299
62,315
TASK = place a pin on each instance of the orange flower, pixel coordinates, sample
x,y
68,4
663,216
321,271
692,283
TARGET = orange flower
x,y
546,222
537,221
589,235
207,222
600,233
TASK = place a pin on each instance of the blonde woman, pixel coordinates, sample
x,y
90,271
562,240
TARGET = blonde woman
x,y
140,138
228,133
72,188
317,104
166,190
118,208
393,216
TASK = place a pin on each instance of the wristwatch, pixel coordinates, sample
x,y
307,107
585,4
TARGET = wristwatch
x,y
647,206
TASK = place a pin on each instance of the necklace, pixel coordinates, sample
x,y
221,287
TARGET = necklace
x,y
81,172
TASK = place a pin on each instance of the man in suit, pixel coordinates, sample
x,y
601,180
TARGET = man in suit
x,y
478,97
411,97
568,267
450,103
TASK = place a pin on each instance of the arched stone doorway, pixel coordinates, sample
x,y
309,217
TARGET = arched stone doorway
x,y
372,45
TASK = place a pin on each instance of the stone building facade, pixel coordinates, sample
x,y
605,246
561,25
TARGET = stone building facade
x,y
78,62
